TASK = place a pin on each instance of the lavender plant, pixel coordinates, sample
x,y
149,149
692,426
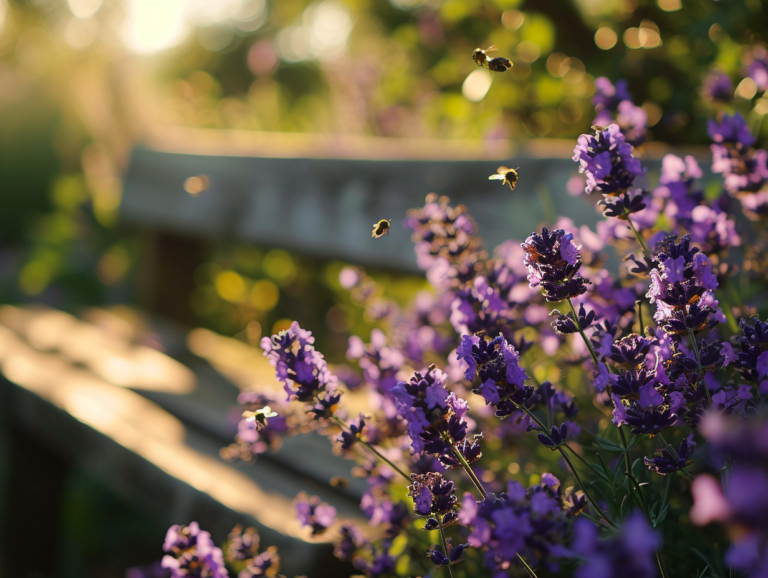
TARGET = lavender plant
x,y
622,433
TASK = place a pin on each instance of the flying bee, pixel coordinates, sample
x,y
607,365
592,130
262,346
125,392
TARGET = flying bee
x,y
480,56
498,64
506,176
339,482
381,228
259,417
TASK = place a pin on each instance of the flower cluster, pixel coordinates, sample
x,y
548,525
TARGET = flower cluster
x,y
606,158
683,288
553,263
717,87
743,167
257,432
752,357
446,241
243,551
435,418
629,554
192,553
302,369
313,513
496,364
614,104
532,523
738,502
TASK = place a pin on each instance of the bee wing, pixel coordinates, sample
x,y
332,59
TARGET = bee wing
x,y
496,178
492,48
502,170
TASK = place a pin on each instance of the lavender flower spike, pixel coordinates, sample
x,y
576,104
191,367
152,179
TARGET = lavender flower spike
x,y
299,366
606,158
553,262
192,553
313,513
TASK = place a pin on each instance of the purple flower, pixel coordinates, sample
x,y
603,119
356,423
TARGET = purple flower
x,y
742,166
683,288
311,512
606,158
498,368
531,523
242,545
664,462
615,103
718,87
350,438
192,553
757,67
301,368
266,564
752,357
559,277
629,554
434,497
348,542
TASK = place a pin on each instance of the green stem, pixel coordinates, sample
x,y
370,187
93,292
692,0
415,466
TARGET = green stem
x,y
592,502
700,382
527,567
660,562
583,335
371,449
465,465
445,547
673,453
584,489
639,304
643,244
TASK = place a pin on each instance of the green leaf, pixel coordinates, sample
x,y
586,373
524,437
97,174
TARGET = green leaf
x,y
608,445
658,519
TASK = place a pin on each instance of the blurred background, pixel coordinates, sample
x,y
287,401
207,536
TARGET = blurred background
x,y
180,177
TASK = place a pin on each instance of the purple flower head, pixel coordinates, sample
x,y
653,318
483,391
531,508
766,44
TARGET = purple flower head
x,y
266,564
607,96
447,246
717,87
192,553
531,523
629,554
745,442
435,418
664,462
434,497
606,158
630,351
258,430
348,542
757,67
501,379
567,324
743,167
545,258
300,367
242,545
752,356
454,556
311,512
683,288
351,437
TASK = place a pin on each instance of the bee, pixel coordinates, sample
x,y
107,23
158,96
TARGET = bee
x,y
196,185
498,64
381,228
597,129
506,176
259,417
339,482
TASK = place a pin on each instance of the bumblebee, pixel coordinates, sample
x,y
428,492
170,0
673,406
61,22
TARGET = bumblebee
x,y
259,417
381,228
498,64
480,56
597,129
506,176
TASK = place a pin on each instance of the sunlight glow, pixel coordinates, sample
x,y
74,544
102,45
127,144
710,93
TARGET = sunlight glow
x,y
477,85
154,25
